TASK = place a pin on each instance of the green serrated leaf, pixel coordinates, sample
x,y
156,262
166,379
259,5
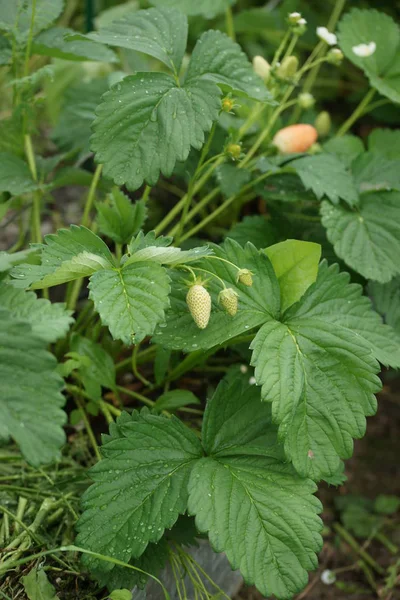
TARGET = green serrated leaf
x,y
231,179
208,8
121,595
218,59
257,304
119,218
158,32
146,123
296,266
299,363
255,229
139,489
34,80
326,176
7,261
30,395
54,42
382,67
37,586
367,239
175,399
131,300
346,148
385,142
386,299
168,256
49,321
15,176
5,51
81,265
333,298
16,16
386,505
161,364
374,171
101,370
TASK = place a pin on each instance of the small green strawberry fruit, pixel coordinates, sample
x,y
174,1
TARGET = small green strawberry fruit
x,y
228,299
199,303
245,276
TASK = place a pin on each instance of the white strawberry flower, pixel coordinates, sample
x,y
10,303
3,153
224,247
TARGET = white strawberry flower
x,y
364,50
326,36
302,21
294,17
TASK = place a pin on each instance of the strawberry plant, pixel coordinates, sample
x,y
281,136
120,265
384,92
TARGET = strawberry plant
x,y
229,232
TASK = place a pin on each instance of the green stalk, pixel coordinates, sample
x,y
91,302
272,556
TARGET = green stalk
x,y
88,427
358,112
281,47
347,537
36,233
29,42
230,28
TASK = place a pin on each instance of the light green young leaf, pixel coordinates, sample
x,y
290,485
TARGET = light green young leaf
x,y
15,176
321,382
49,321
296,266
16,16
140,486
382,67
346,148
374,171
146,123
257,304
37,586
367,239
175,399
386,299
208,8
168,256
334,299
54,42
30,396
326,176
255,229
159,32
119,218
34,80
81,265
231,179
121,595
131,300
385,142
218,59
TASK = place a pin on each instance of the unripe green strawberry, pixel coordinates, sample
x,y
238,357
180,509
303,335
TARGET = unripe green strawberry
x,y
245,276
199,303
228,299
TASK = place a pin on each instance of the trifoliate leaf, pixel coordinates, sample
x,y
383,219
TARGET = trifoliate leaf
x,y
367,238
255,229
37,586
146,123
326,176
15,176
217,58
321,382
139,489
30,395
336,300
131,300
346,148
175,399
208,8
231,179
257,303
296,266
159,32
386,299
119,218
16,16
73,128
374,171
54,42
382,66
100,370
49,321
385,142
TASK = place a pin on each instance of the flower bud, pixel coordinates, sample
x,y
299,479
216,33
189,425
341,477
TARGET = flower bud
x,y
326,36
295,138
315,149
227,104
300,28
288,67
323,123
245,276
261,67
293,18
334,56
233,150
199,303
306,100
228,299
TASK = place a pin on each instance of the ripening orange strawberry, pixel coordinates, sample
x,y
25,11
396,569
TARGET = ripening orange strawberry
x,y
295,138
